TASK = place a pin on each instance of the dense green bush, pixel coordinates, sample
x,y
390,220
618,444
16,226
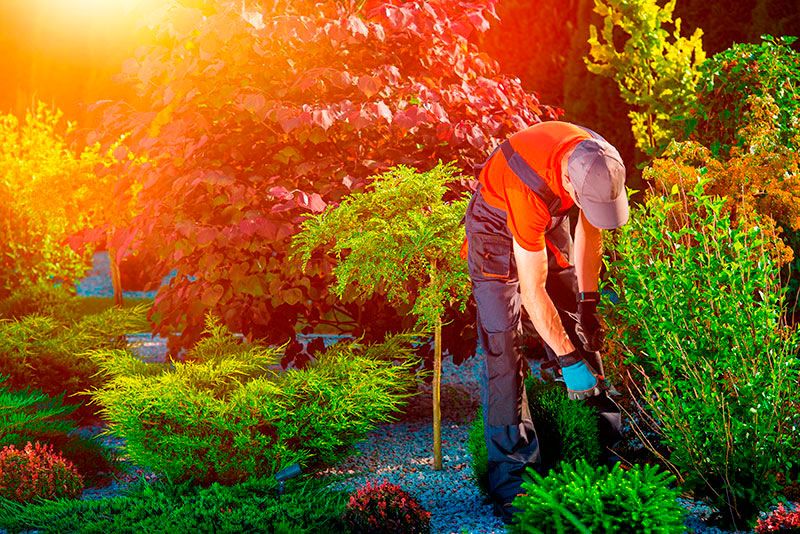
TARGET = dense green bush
x,y
699,317
307,506
767,69
41,298
570,428
585,499
30,415
50,192
228,412
43,353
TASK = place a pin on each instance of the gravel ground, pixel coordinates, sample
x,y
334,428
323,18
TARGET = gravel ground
x,y
400,453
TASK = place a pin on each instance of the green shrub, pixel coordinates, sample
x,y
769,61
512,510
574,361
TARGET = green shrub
x,y
41,352
51,192
699,316
767,69
570,428
228,413
656,69
585,499
479,456
307,506
41,298
30,415
33,416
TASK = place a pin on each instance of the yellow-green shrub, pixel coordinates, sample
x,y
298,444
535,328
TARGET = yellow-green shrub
x,y
228,412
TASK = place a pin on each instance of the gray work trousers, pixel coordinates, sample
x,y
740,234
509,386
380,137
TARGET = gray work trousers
x,y
511,439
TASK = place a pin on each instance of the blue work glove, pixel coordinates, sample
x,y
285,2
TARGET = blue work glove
x,y
588,329
579,378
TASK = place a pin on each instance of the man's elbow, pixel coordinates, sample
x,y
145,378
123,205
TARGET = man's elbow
x,y
532,297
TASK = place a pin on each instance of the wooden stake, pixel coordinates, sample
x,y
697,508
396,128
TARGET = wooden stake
x,y
437,391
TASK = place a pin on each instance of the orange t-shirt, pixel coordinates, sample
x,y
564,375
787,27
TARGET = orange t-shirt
x,y
542,146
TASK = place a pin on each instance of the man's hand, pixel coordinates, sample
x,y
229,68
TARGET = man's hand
x,y
589,329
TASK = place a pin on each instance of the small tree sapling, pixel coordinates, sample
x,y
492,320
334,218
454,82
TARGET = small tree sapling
x,y
399,238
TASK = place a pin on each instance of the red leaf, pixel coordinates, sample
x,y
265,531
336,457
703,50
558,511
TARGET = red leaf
x,y
206,236
323,118
444,131
383,111
369,85
475,137
280,192
479,21
357,26
212,295
316,204
121,241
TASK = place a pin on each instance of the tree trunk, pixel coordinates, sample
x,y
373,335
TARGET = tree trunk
x,y
437,391
116,278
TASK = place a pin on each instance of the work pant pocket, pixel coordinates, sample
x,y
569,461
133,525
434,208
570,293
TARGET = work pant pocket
x,y
490,256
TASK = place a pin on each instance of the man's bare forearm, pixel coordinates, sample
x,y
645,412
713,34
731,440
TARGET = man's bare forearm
x,y
588,254
545,319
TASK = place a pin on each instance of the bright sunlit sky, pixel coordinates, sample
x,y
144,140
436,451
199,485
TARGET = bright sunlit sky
x,y
65,51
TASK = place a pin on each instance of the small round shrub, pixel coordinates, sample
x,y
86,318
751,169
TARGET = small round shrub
x,y
582,498
780,520
571,426
385,507
37,472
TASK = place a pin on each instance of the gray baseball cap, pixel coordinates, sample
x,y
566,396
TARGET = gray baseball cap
x,y
597,173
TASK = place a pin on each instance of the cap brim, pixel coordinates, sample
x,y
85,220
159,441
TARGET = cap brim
x,y
606,215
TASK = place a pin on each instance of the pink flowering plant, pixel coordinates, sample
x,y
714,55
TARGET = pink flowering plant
x,y
36,471
780,520
385,507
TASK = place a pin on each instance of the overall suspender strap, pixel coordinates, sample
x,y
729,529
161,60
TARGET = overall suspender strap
x,y
531,178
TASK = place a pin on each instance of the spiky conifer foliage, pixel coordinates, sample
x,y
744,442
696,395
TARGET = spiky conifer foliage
x,y
228,412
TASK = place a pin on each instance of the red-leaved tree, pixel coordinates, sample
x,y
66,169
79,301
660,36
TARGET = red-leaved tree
x,y
257,114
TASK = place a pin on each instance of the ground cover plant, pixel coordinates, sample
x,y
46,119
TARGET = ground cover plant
x,y
780,520
700,319
585,499
27,415
379,84
228,412
400,238
31,416
41,298
307,506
